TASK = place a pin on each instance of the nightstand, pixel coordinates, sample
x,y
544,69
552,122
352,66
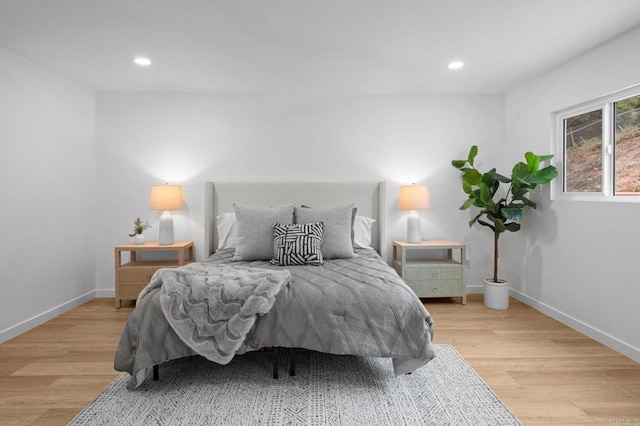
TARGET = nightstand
x,y
429,275
132,277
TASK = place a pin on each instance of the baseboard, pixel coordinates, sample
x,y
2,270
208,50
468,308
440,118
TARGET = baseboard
x,y
28,324
597,335
475,289
105,292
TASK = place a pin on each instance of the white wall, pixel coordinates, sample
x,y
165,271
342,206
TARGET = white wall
x,y
47,170
573,260
150,138
580,258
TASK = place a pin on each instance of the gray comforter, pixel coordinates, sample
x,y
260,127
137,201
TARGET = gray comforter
x,y
356,306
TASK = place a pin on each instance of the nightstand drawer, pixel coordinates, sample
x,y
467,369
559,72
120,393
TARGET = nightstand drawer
x,y
444,288
137,274
425,273
131,291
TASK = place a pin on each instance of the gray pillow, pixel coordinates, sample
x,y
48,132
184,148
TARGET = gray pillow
x,y
336,242
255,230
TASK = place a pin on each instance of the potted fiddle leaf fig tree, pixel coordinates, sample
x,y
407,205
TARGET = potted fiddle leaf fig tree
x,y
502,202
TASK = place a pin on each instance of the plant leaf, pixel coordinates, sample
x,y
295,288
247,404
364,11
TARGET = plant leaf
x,y
544,176
483,223
499,223
475,219
520,180
478,203
472,154
528,202
488,178
467,203
472,176
513,213
533,161
512,227
458,164
545,157
485,194
498,176
520,171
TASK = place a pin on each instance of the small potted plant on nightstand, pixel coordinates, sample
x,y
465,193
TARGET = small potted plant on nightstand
x,y
501,211
138,229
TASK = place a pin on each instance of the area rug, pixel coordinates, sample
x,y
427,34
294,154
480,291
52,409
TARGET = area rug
x,y
326,390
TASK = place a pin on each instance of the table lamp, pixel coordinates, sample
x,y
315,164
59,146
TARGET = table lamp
x,y
414,197
166,197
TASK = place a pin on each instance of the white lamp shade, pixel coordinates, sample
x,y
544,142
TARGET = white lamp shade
x,y
166,197
414,197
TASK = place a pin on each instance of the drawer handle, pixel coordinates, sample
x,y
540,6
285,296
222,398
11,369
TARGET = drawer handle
x,y
434,275
435,289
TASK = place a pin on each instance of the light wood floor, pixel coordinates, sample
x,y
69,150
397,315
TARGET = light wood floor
x,y
544,372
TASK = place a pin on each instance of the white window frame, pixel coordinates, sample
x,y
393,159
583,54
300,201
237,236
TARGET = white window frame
x,y
605,103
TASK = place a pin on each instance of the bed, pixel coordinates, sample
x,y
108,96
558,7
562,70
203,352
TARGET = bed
x,y
353,305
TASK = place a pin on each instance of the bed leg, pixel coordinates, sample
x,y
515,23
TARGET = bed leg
x,y
292,362
156,372
274,362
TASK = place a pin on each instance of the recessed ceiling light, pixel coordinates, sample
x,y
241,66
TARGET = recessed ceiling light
x,y
143,62
455,65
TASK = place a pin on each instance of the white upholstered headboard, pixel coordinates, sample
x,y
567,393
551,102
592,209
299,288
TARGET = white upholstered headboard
x,y
368,197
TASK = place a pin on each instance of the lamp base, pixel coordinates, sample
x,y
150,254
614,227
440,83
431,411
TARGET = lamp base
x,y
165,229
413,228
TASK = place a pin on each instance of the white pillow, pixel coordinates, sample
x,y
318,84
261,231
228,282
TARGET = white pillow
x,y
227,230
362,231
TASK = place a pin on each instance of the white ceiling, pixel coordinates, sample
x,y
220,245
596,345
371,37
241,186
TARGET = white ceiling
x,y
341,46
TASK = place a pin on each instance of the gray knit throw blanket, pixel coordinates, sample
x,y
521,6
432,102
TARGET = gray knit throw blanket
x,y
213,307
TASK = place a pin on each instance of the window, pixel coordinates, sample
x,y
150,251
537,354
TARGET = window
x,y
600,148
627,146
583,152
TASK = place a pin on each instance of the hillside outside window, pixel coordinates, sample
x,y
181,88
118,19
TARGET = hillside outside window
x,y
599,146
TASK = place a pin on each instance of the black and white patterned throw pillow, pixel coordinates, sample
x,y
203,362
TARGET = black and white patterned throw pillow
x,y
297,244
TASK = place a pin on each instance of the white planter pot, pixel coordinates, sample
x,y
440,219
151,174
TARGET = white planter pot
x,y
496,295
139,239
